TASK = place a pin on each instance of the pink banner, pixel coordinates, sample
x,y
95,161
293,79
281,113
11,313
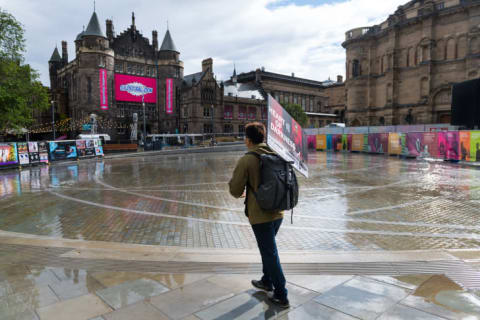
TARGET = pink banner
x,y
312,142
131,88
430,145
448,145
103,89
228,112
415,144
378,142
169,96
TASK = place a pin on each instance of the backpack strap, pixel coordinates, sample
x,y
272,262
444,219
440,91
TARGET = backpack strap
x,y
248,182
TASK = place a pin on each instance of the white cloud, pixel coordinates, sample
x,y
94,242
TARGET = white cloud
x,y
290,38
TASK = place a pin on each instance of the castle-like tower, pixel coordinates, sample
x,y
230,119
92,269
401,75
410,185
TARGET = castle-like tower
x,y
90,84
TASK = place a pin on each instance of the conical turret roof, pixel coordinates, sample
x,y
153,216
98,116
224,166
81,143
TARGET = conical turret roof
x,y
55,56
93,28
167,44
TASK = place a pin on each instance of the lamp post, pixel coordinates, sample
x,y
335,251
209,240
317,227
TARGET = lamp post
x,y
213,126
144,124
53,118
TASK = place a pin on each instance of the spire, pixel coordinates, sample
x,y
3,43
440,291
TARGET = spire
x,y
234,70
167,44
133,19
93,28
55,56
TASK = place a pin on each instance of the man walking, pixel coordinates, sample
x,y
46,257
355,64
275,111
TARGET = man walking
x,y
265,224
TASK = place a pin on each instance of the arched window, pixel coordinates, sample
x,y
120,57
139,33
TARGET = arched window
x,y
462,47
475,45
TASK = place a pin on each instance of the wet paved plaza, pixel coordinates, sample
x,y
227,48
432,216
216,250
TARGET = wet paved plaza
x,y
159,237
350,202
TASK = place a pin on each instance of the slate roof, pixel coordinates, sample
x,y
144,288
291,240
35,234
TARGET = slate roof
x,y
55,56
242,90
188,79
93,28
167,44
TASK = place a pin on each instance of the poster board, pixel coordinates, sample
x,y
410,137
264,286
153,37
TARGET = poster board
x,y
430,145
23,157
286,137
33,152
415,143
43,152
357,142
394,144
321,142
464,137
475,146
62,150
8,154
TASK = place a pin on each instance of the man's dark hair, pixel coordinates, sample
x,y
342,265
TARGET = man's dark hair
x,y
255,131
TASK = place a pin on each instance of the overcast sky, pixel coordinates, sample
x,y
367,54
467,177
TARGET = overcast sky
x,y
284,36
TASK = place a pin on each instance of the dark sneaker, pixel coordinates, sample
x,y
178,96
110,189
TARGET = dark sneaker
x,y
259,285
282,303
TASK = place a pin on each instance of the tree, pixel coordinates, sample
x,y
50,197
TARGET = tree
x,y
297,113
21,92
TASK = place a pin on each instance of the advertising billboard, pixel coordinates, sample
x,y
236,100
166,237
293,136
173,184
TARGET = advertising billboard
x,y
169,96
394,144
321,141
357,142
286,137
23,157
33,152
464,137
475,146
62,150
43,152
8,154
448,145
430,145
131,88
415,144
103,89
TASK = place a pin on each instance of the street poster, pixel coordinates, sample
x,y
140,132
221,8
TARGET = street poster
x,y
394,144
312,141
430,145
475,146
43,152
357,142
321,142
285,136
62,150
33,152
23,157
8,154
464,137
415,144
99,151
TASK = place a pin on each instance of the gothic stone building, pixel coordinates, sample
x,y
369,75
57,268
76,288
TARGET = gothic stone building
x,y
402,71
106,67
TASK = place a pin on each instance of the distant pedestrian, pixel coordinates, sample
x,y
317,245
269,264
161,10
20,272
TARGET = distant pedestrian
x,y
265,225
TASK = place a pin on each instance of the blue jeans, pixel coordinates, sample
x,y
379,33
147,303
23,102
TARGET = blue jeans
x,y
272,270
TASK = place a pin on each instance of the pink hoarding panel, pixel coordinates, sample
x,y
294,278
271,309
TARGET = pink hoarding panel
x,y
415,143
430,145
131,88
169,96
103,89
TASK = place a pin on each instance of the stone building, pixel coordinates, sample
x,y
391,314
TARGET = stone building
x,y
106,67
402,71
315,97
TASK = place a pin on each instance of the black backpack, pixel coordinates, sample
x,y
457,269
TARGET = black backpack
x,y
278,188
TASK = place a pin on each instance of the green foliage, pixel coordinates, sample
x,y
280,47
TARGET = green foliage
x,y
297,113
12,41
20,90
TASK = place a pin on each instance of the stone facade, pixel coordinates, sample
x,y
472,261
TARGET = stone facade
x,y
402,71
313,96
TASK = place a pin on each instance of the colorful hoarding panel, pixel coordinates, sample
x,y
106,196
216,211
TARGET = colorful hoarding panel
x,y
329,142
8,154
448,145
475,146
344,142
312,142
62,150
415,144
103,89
430,145
169,96
403,143
22,147
357,142
378,142
33,154
23,157
464,137
99,151
321,141
131,88
286,137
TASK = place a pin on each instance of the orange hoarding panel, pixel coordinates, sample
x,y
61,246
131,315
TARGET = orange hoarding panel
x,y
357,142
321,142
394,145
464,145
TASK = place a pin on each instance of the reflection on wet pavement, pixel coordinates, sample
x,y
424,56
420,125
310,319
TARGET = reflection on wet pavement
x,y
350,202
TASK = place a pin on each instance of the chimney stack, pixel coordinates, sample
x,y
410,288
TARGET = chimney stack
x,y
340,79
155,40
109,29
207,64
64,52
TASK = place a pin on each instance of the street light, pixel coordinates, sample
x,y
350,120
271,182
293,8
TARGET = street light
x,y
144,124
213,126
53,118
